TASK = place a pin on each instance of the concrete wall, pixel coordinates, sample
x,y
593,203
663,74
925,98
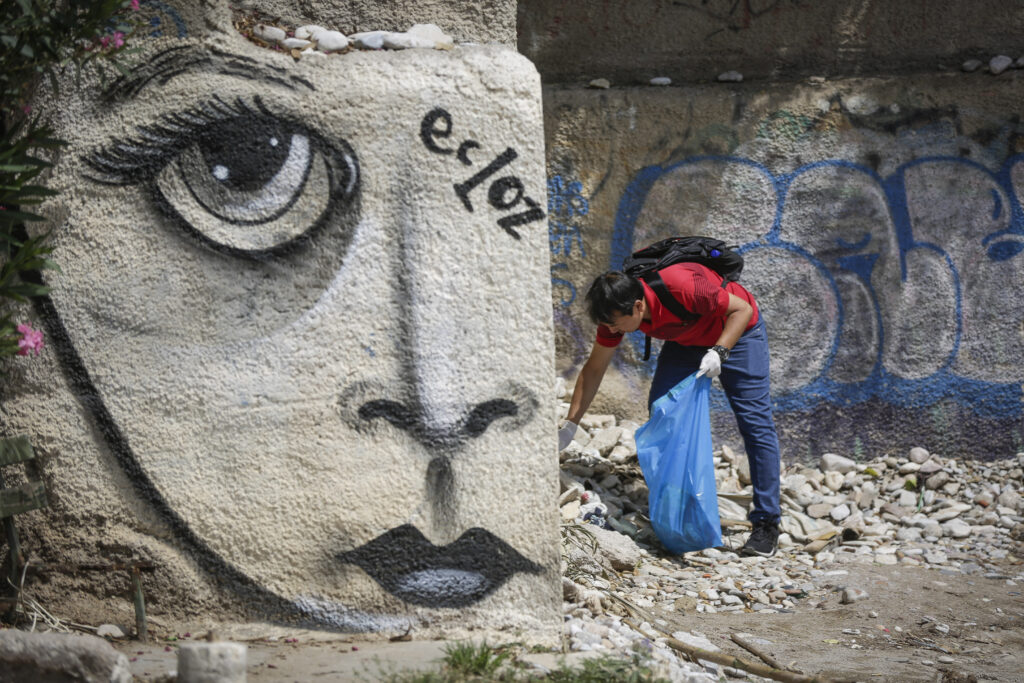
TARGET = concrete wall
x,y
882,224
695,40
480,21
300,351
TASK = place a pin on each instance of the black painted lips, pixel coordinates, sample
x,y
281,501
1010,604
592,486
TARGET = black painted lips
x,y
407,565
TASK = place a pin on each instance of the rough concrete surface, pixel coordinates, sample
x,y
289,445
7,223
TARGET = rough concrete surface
x,y
879,219
696,40
285,362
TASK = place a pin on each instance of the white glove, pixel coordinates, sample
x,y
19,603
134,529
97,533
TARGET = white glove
x,y
710,364
565,435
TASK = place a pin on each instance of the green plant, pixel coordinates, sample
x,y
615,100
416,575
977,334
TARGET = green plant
x,y
467,659
606,669
40,39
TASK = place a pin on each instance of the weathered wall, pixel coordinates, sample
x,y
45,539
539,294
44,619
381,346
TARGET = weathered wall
x,y
882,224
284,358
480,21
695,40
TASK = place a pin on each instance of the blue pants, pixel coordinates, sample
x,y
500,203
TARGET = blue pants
x,y
745,380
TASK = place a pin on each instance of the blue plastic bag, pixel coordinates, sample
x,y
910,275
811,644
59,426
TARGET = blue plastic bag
x,y
674,449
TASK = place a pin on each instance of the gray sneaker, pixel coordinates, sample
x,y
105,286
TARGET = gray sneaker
x,y
763,541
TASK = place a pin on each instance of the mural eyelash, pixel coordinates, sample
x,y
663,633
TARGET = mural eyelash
x,y
137,160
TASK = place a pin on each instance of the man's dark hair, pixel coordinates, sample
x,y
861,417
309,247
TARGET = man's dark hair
x,y
612,294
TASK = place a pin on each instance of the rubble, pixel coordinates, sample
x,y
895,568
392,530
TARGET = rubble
x,y
311,39
922,509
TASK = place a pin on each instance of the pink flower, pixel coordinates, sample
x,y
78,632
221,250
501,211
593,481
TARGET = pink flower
x,y
31,340
135,4
26,109
116,40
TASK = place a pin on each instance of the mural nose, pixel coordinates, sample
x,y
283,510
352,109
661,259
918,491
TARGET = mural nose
x,y
444,438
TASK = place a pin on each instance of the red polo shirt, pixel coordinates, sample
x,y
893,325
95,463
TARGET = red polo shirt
x,y
700,291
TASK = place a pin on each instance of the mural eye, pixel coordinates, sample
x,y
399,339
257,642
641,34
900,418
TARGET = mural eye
x,y
243,181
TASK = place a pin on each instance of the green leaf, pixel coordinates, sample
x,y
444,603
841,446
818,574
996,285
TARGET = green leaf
x,y
11,217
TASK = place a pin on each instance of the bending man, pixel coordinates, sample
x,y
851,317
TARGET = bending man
x,y
726,339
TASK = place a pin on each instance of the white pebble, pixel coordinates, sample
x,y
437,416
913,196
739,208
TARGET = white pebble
x,y
270,34
295,43
661,80
999,64
730,77
330,41
405,41
308,31
433,33
369,40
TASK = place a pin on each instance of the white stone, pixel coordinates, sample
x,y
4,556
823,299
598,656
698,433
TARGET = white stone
x,y
956,528
270,34
331,41
999,64
830,462
109,631
971,65
834,480
950,512
1010,498
661,80
432,33
405,41
606,439
918,455
852,595
862,105
908,499
840,512
295,43
219,662
308,31
600,83
369,40
730,77
622,552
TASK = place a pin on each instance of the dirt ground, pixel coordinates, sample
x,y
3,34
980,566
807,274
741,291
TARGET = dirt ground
x,y
892,634
899,633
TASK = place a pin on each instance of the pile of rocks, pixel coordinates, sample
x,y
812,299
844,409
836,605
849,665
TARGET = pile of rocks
x,y
923,509
315,40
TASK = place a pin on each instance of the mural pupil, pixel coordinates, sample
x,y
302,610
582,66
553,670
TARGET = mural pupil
x,y
245,155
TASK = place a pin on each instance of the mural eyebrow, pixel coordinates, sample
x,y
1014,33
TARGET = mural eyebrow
x,y
175,61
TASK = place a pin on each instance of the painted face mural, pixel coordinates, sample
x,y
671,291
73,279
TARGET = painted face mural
x,y
305,309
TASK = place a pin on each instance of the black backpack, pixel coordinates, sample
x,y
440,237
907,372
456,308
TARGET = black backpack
x,y
646,263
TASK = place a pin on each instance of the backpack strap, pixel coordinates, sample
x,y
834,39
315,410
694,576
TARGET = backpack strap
x,y
660,290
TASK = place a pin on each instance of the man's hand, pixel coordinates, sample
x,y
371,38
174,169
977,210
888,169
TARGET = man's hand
x,y
710,364
565,435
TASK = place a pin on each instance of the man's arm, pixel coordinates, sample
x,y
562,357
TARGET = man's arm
x,y
737,317
589,380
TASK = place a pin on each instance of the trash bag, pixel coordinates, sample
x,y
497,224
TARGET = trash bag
x,y
674,449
